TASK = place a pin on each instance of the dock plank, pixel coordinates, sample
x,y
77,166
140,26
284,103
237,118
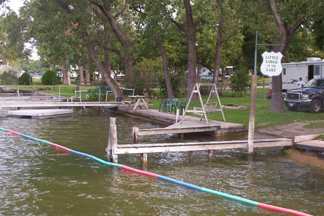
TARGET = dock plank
x,y
51,104
199,146
312,145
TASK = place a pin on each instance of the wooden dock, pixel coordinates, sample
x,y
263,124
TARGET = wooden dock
x,y
39,113
146,148
114,149
309,142
311,145
56,104
187,124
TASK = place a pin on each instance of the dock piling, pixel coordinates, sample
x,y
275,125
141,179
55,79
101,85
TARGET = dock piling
x,y
112,141
144,160
135,134
210,154
250,146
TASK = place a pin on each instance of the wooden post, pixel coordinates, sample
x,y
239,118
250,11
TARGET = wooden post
x,y
144,160
59,93
252,114
210,154
99,97
190,156
112,141
135,134
177,115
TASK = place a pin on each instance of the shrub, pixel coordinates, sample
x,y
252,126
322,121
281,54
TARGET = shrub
x,y
25,79
239,81
50,78
8,78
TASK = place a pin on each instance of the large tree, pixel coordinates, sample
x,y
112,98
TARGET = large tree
x,y
290,17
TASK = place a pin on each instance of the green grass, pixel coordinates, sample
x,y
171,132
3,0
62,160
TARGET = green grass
x,y
264,117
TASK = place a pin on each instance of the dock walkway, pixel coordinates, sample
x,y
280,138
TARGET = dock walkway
x,y
114,149
186,123
54,104
39,113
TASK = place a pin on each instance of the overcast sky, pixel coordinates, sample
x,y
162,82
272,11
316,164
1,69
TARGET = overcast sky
x,y
15,4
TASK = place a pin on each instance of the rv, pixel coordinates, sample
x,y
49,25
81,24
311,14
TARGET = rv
x,y
312,68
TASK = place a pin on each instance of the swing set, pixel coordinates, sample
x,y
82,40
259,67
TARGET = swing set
x,y
208,106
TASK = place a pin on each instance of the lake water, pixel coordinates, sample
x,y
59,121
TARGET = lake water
x,y
37,180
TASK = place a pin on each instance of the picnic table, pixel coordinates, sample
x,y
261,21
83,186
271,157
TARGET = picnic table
x,y
138,101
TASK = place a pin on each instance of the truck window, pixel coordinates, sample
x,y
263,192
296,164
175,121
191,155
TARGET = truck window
x,y
310,72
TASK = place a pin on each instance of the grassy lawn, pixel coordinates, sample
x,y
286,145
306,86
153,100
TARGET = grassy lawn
x,y
263,115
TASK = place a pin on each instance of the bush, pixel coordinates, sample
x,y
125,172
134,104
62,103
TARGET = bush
x,y
25,79
50,78
240,81
8,78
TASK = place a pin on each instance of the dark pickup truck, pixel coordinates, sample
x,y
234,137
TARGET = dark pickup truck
x,y
308,98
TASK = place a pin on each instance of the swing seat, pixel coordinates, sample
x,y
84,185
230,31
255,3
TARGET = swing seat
x,y
211,109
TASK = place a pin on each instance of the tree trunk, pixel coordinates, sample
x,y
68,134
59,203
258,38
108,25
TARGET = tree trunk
x,y
125,41
191,43
219,41
166,74
81,73
105,71
87,77
129,67
277,104
66,76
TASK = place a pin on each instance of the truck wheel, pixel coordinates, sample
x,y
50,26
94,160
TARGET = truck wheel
x,y
316,105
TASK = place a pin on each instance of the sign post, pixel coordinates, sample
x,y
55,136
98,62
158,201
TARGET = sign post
x,y
271,66
253,99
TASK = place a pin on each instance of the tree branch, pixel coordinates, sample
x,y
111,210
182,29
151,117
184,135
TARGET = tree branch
x,y
121,12
278,19
296,25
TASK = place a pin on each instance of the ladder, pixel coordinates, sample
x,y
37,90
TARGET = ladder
x,y
203,109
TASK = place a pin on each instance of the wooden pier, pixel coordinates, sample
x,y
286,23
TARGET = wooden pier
x,y
187,124
56,104
114,149
39,113
309,143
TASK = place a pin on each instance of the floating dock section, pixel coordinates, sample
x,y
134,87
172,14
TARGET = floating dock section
x,y
39,113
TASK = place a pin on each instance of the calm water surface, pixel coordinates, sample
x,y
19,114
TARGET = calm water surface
x,y
37,180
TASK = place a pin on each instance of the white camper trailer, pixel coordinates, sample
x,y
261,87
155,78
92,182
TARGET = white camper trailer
x,y
307,70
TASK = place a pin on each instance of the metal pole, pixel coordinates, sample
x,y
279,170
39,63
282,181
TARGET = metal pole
x,y
59,93
253,99
256,53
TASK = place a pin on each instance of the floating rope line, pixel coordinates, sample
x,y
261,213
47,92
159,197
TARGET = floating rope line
x,y
234,198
